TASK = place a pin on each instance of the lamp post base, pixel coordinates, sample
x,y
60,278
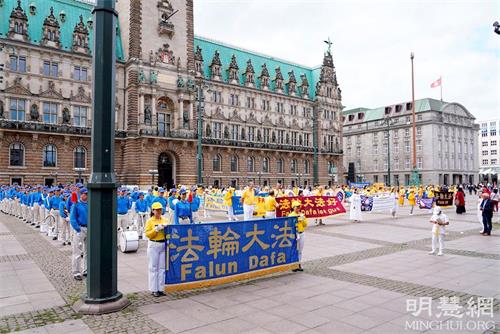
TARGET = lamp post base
x,y
110,305
415,181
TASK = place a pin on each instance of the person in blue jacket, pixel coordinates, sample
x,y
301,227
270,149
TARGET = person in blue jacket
x,y
183,213
78,220
54,210
124,204
161,199
149,198
64,231
195,203
141,210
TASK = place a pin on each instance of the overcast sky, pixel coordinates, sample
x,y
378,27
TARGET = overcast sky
x,y
372,41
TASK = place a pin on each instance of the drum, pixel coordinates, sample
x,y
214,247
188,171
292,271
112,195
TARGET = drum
x,y
129,241
44,228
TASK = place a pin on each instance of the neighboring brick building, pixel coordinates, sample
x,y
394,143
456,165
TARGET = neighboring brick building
x,y
261,115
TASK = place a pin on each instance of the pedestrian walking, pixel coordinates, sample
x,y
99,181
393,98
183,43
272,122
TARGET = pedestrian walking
x,y
438,220
486,208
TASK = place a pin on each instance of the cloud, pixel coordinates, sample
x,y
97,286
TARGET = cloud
x,y
372,41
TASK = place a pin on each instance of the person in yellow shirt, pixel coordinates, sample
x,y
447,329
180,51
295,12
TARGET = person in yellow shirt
x,y
411,200
155,227
228,202
271,205
401,197
301,227
249,201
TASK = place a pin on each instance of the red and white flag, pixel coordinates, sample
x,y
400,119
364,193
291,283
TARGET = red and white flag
x,y
436,83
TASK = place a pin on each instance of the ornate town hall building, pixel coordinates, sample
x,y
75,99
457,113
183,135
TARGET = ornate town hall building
x,y
262,118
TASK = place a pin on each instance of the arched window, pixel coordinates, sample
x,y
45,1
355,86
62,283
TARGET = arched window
x,y
280,167
306,167
265,165
293,166
16,154
79,155
331,167
234,163
250,164
217,163
49,156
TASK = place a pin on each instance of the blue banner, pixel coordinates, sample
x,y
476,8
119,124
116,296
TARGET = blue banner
x,y
214,253
359,184
425,203
237,205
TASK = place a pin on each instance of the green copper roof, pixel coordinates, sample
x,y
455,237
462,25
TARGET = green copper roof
x,y
421,105
209,46
72,8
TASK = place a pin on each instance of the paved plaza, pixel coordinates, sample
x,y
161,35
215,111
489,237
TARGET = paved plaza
x,y
358,278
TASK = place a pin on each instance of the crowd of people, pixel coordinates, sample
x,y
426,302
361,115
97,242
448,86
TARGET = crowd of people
x,y
62,212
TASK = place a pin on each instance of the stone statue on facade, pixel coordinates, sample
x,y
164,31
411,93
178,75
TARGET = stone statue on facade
x,y
208,131
153,77
180,82
142,77
1,109
185,119
226,132
66,117
147,115
34,114
190,84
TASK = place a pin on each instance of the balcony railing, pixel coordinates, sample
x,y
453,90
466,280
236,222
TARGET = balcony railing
x,y
253,144
52,128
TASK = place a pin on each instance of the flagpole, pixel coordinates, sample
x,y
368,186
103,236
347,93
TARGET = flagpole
x,y
441,87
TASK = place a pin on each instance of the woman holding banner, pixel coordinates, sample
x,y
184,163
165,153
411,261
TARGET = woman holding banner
x,y
155,227
301,227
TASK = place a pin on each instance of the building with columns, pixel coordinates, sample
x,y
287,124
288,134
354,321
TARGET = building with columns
x,y
262,117
376,140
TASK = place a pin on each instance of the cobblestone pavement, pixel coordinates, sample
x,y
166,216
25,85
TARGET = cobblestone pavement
x,y
385,236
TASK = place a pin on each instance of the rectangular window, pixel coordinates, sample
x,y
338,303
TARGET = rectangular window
x,y
407,163
80,73
217,97
250,102
217,130
267,137
407,146
420,163
493,152
493,161
50,112
80,116
484,152
484,143
492,143
279,106
493,132
251,134
419,117
18,63
407,132
375,149
17,109
306,139
485,161
235,130
234,100
50,69
294,138
420,146
419,130
163,124
281,136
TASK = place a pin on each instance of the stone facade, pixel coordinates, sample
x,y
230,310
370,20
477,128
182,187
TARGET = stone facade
x,y
255,107
488,150
446,143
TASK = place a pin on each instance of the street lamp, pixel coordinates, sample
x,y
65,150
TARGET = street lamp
x,y
201,85
415,180
387,121
79,170
153,172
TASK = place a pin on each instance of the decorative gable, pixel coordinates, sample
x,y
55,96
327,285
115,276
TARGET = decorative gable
x,y
278,80
81,96
233,70
51,92
215,67
304,87
249,74
198,62
236,117
292,83
17,88
264,77
80,37
18,23
51,31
